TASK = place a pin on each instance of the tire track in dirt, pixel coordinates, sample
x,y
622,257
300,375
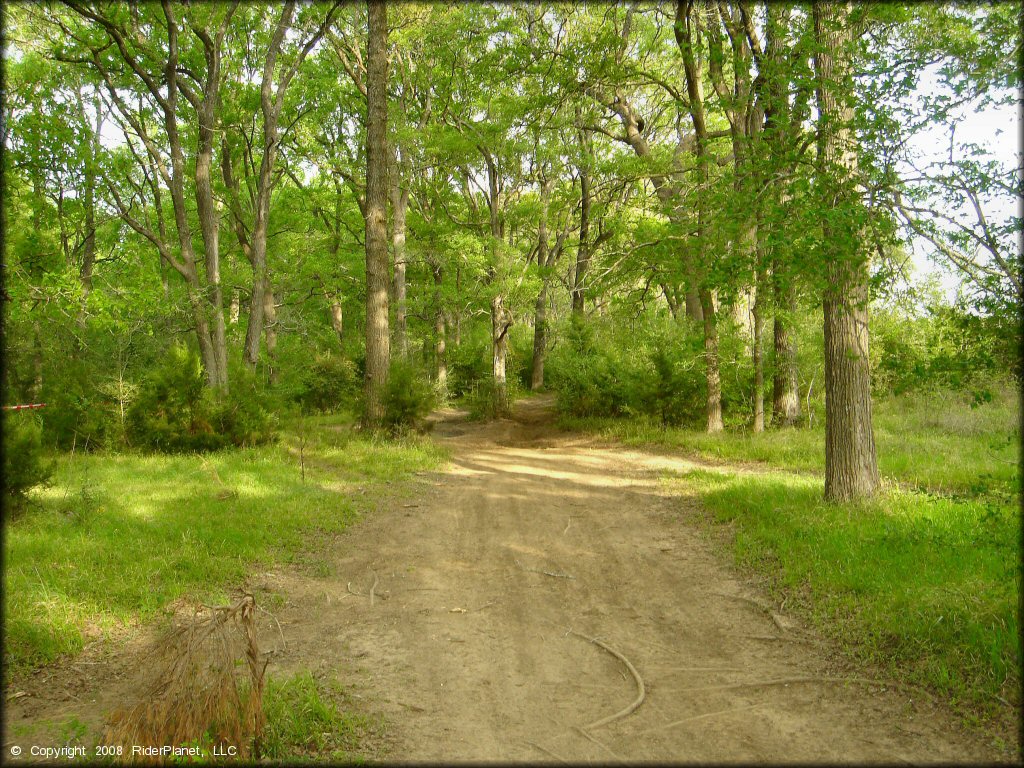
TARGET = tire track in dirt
x,y
531,533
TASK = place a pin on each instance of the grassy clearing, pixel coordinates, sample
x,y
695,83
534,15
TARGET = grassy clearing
x,y
927,587
310,720
116,538
937,442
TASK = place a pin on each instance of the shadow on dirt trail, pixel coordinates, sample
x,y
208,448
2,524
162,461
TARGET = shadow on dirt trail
x,y
542,586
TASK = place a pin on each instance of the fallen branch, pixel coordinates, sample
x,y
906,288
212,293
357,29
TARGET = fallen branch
x,y
641,690
546,573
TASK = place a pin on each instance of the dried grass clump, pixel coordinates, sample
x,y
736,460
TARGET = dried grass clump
x,y
206,686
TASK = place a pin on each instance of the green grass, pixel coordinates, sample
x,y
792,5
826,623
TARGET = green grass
x,y
117,537
926,587
935,442
313,720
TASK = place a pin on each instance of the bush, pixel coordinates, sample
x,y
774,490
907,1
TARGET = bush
x,y
82,411
24,467
594,378
408,397
245,416
469,364
329,384
175,412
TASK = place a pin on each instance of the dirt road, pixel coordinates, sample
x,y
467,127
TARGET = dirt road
x,y
510,591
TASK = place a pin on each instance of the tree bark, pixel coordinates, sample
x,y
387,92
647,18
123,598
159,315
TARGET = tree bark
x,y
235,307
337,319
540,322
851,466
500,324
758,355
270,330
781,127
501,321
785,393
271,104
377,340
399,206
440,361
713,376
89,201
687,22
583,254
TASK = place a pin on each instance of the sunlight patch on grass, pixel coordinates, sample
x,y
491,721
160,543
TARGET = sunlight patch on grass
x,y
924,585
117,537
937,442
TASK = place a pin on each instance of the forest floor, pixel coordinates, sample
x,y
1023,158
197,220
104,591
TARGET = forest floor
x,y
488,612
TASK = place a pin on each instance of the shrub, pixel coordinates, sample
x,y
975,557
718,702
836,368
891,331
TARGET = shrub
x,y
175,412
593,378
469,364
408,397
24,467
82,412
244,417
329,384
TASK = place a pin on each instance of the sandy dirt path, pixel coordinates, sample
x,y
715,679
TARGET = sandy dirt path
x,y
491,579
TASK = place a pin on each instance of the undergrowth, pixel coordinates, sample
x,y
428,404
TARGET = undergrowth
x,y
312,720
115,538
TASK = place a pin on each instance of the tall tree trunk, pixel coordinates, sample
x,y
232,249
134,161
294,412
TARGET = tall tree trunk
x,y
713,376
35,269
693,305
399,204
440,361
235,307
501,321
583,254
458,315
778,123
89,201
758,357
499,335
540,322
270,330
785,393
377,341
337,318
851,466
687,24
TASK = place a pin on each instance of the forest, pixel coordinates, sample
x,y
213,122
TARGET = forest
x,y
302,297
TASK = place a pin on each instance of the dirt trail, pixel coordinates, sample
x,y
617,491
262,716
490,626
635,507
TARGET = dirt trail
x,y
482,578
489,581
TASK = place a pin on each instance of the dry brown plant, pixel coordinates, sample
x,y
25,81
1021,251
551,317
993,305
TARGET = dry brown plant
x,y
205,687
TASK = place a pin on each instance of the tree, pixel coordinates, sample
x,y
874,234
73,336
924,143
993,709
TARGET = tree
x,y
377,278
114,45
851,465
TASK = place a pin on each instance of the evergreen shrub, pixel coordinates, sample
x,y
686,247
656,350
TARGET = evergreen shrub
x,y
24,465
